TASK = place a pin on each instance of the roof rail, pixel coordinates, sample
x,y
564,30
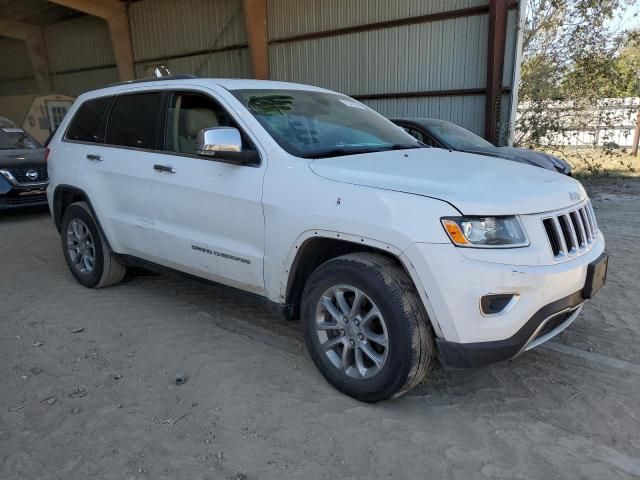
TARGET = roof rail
x,y
155,79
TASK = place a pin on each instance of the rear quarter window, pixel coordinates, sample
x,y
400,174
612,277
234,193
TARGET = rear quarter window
x,y
89,124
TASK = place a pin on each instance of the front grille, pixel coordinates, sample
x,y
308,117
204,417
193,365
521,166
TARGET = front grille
x,y
26,199
572,231
20,174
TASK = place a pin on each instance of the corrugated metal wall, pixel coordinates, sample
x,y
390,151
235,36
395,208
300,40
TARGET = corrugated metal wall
x,y
16,78
80,55
420,58
294,17
433,56
184,36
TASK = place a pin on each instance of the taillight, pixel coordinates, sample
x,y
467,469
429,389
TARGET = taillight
x,y
46,154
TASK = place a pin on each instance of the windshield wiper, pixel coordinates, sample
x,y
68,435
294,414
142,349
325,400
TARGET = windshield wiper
x,y
400,146
339,152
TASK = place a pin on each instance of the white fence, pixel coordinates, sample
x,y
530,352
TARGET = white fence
x,y
611,121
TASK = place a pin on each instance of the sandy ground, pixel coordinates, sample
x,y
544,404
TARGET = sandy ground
x,y
87,387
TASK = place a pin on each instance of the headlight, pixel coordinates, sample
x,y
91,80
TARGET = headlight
x,y
485,232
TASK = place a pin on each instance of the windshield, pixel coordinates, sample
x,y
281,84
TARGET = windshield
x,y
458,137
319,124
13,138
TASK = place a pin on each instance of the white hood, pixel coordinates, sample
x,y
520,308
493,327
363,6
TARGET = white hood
x,y
474,184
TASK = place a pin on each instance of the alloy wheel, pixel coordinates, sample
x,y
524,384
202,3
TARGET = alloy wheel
x,y
81,246
352,331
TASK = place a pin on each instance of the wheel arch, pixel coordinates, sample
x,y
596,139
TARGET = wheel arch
x,y
316,247
65,195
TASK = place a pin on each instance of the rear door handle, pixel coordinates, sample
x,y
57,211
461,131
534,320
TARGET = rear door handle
x,y
93,157
164,168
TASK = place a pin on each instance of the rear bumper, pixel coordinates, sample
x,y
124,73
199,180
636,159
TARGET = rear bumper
x,y
543,325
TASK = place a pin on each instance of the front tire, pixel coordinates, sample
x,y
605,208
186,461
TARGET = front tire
x,y
87,253
365,327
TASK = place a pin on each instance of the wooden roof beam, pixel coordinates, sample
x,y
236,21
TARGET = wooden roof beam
x,y
115,13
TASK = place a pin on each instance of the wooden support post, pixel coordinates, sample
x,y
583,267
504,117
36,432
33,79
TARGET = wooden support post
x,y
636,136
255,15
114,12
34,40
495,66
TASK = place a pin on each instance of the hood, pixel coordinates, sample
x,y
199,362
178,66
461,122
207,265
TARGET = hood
x,y
21,157
474,185
524,155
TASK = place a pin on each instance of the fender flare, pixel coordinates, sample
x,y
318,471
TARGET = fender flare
x,y
57,211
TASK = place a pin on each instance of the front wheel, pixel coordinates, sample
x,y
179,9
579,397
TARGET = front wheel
x,y
365,327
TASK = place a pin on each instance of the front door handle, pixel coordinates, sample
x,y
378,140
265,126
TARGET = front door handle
x,y
164,168
93,157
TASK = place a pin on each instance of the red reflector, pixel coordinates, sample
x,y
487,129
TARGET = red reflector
x,y
46,154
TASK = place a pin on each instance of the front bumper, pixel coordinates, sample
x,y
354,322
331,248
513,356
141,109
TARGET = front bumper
x,y
543,325
13,196
451,285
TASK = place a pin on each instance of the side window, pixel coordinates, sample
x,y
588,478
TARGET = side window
x,y
415,134
90,121
426,139
188,114
134,120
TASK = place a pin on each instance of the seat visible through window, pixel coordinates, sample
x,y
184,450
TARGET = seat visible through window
x,y
189,113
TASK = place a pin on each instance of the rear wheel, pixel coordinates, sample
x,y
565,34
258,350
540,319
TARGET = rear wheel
x,y
88,255
365,327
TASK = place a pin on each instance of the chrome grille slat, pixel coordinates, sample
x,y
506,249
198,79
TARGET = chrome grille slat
x,y
571,231
582,236
587,225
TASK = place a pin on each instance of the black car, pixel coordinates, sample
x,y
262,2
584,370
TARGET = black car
x,y
443,134
23,169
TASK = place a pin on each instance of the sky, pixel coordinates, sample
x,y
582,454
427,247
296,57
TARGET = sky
x,y
629,19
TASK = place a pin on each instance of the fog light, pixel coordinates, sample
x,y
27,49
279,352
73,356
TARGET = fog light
x,y
497,303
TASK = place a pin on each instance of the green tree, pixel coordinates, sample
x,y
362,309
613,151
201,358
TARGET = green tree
x,y
572,54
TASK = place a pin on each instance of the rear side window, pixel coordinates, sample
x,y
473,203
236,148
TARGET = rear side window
x,y
90,121
134,120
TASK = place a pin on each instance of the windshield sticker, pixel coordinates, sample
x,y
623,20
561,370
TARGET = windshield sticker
x,y
353,104
12,130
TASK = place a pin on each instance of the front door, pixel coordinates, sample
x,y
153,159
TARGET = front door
x,y
208,214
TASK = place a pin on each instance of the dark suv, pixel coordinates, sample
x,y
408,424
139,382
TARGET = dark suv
x,y
23,169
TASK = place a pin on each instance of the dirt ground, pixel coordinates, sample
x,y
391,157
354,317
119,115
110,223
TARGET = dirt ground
x,y
88,383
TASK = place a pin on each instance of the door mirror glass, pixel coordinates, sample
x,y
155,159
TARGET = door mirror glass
x,y
211,141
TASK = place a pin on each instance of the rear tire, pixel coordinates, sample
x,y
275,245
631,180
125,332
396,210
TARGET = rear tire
x,y
365,327
87,253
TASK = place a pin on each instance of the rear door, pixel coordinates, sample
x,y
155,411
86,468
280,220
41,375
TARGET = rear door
x,y
209,218
120,170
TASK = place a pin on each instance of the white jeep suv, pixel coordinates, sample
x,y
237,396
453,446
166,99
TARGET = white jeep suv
x,y
390,252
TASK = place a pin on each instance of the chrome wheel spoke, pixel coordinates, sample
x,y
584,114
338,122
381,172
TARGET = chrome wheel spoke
x,y
371,315
362,370
80,246
345,356
327,326
373,356
331,344
342,301
331,309
358,300
379,338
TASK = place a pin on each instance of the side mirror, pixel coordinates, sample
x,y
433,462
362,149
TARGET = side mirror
x,y
223,143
